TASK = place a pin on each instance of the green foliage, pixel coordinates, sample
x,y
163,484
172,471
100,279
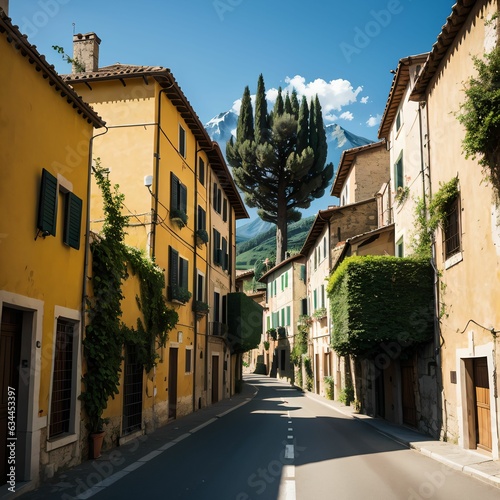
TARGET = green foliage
x,y
158,318
309,373
346,395
272,333
103,342
105,334
402,195
244,321
277,175
329,387
201,237
179,217
79,67
428,219
364,294
266,345
480,115
320,313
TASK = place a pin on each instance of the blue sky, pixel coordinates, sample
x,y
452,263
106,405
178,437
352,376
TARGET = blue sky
x,y
343,51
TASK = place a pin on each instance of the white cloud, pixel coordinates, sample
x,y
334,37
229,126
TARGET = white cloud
x,y
333,95
373,120
364,99
346,115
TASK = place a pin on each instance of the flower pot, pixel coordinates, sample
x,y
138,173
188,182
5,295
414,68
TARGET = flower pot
x,y
95,444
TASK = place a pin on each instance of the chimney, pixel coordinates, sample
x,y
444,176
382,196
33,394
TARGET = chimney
x,y
86,52
4,4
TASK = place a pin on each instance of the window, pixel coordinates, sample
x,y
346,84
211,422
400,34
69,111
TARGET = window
x,y
201,171
178,196
189,360
324,248
224,210
400,248
303,272
47,211
303,306
217,199
182,142
178,277
217,256
452,230
288,316
62,379
322,296
200,287
398,173
202,219
217,307
315,299
398,120
224,255
282,322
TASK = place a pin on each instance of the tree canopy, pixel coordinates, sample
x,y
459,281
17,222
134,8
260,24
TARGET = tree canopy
x,y
278,158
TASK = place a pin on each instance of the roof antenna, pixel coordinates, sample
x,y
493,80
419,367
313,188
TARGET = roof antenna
x,y
74,24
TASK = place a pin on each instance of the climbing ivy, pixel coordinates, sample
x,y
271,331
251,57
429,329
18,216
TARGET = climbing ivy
x,y
480,115
429,218
105,334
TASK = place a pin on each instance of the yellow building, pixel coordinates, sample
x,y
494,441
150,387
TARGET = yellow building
x,y
182,205
45,139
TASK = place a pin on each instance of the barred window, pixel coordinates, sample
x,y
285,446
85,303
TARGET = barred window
x,y
452,230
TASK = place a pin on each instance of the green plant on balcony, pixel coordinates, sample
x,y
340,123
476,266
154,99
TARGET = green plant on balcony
x,y
272,333
201,237
266,345
179,294
200,308
179,217
401,195
320,313
281,332
305,319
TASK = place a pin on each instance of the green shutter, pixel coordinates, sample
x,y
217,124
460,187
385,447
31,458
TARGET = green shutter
x,y
286,279
174,189
173,263
303,273
73,221
47,208
315,299
288,320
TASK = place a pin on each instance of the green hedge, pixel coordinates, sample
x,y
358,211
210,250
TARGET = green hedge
x,y
377,301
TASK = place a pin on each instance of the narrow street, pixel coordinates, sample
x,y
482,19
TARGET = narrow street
x,y
284,445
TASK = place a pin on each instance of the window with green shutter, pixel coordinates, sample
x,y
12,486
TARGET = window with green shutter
x,y
47,208
398,173
288,316
73,221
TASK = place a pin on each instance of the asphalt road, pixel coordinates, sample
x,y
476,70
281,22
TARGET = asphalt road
x,y
284,446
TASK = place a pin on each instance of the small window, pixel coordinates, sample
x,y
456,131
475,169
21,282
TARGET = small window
x,y
217,199
62,379
202,218
303,306
182,142
201,171
400,248
189,360
398,173
224,210
225,255
398,120
178,277
217,255
178,196
200,287
452,230
216,308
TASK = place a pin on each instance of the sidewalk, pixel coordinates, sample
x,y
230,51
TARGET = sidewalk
x,y
92,476
469,462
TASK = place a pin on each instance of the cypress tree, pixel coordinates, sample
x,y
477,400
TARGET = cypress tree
x,y
280,166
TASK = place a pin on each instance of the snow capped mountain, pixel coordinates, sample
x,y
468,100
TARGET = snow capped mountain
x,y
221,127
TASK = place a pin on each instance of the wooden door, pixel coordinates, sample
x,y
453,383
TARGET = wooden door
x,y
10,349
172,382
215,379
482,404
408,393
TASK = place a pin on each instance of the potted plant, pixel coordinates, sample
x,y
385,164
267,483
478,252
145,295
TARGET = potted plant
x,y
179,294
179,217
96,435
201,237
320,313
281,332
200,308
272,333
266,345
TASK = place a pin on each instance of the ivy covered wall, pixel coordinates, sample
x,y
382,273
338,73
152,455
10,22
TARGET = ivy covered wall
x,y
376,300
